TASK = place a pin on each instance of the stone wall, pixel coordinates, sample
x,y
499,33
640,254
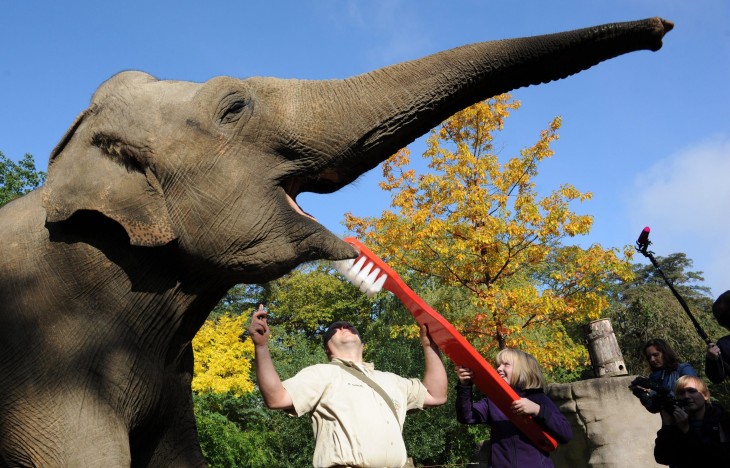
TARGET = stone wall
x,y
610,427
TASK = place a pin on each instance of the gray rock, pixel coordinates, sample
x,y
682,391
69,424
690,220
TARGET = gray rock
x,y
610,427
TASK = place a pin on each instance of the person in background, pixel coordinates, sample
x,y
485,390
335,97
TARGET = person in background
x,y
694,432
509,447
357,412
666,368
717,359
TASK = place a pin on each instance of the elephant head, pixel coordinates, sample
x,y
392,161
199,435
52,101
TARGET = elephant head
x,y
216,167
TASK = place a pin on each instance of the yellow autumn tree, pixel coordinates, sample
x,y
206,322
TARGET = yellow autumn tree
x,y
222,359
474,222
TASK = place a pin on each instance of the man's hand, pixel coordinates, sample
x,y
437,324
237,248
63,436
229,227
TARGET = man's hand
x,y
258,329
426,340
681,419
713,352
667,418
434,376
676,416
274,393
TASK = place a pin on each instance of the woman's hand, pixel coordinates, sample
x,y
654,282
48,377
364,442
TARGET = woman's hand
x,y
464,374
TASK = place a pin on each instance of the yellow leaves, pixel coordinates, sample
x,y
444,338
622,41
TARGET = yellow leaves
x,y
475,220
222,360
394,176
406,331
475,125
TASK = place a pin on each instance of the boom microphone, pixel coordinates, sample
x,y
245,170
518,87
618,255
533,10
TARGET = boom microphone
x,y
643,239
642,245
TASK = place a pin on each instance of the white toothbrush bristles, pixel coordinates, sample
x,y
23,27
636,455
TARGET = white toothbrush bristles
x,y
354,270
376,286
369,280
361,274
343,265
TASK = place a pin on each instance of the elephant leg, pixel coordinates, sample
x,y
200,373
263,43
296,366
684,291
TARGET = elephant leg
x,y
177,442
178,445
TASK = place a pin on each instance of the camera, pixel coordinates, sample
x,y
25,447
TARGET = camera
x,y
659,398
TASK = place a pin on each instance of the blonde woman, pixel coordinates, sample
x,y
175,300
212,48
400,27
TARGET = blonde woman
x,y
694,432
509,446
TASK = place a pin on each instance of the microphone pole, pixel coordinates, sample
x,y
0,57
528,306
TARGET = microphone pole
x,y
642,244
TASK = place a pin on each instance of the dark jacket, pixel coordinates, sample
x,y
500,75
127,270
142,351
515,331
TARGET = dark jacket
x,y
715,370
700,446
510,448
665,378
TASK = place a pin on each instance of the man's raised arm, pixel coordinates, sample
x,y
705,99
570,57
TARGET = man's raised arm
x,y
274,393
434,376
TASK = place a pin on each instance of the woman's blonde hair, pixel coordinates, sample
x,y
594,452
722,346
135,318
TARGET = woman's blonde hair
x,y
687,380
526,373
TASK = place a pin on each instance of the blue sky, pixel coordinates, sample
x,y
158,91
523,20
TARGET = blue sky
x,y
647,133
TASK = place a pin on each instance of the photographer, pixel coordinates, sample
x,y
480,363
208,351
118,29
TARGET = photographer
x,y
694,432
718,354
665,370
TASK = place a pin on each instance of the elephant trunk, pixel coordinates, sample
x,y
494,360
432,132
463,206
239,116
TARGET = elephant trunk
x,y
388,108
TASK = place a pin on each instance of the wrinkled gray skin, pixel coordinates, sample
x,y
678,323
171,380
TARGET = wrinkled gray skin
x,y
164,194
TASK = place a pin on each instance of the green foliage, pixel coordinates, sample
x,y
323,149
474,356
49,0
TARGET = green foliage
x,y
288,439
18,178
240,299
645,308
308,299
244,411
224,444
240,431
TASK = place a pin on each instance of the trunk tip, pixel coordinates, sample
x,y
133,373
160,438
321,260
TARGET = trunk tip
x,y
666,25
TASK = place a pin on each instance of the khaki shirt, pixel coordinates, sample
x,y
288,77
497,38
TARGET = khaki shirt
x,y
352,424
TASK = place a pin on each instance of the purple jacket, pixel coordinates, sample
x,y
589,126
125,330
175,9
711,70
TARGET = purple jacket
x,y
510,448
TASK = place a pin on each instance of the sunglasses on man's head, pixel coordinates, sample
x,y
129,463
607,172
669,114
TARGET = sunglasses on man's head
x,y
332,329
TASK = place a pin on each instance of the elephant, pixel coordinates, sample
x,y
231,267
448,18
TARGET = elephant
x,y
164,194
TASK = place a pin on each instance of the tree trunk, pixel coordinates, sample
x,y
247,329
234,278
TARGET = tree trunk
x,y
606,356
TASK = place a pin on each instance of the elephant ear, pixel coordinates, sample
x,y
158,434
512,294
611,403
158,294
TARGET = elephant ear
x,y
84,174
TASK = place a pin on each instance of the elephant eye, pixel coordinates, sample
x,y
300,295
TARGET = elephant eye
x,y
233,111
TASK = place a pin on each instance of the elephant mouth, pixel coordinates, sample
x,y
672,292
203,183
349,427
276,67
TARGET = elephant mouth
x,y
292,188
314,241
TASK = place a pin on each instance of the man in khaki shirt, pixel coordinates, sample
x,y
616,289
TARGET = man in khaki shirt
x,y
353,424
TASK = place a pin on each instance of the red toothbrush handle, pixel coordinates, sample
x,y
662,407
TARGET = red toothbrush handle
x,y
459,350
